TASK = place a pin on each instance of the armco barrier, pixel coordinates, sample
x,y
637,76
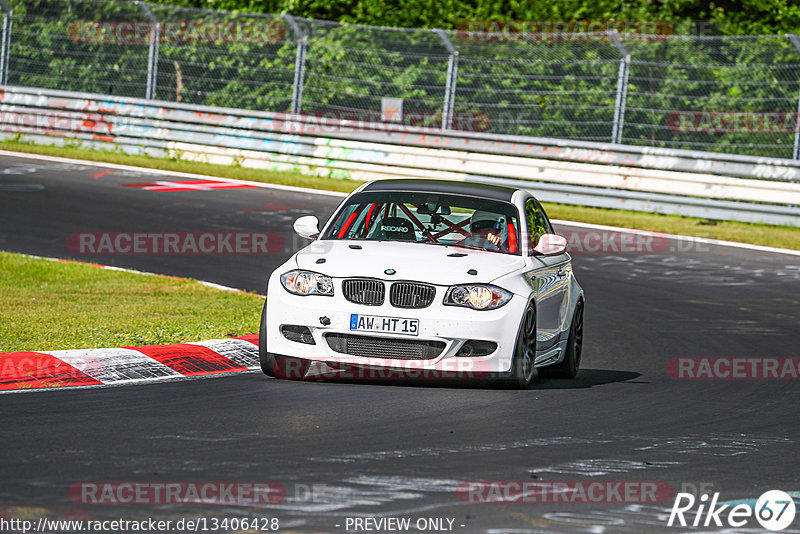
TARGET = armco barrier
x,y
700,184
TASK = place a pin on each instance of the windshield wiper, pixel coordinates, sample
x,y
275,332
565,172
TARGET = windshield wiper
x,y
472,247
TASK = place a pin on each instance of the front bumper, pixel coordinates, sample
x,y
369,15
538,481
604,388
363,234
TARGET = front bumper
x,y
450,325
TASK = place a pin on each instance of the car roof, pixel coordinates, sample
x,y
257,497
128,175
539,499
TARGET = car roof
x,y
494,192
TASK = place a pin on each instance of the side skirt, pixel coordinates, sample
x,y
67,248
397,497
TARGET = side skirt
x,y
551,356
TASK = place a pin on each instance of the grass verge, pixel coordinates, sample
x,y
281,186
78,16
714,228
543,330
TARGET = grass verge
x,y
757,234
46,305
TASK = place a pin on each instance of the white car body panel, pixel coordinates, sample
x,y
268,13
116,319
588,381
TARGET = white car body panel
x,y
412,261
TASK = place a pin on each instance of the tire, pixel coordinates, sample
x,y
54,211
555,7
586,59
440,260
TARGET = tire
x,y
290,368
572,359
275,365
522,370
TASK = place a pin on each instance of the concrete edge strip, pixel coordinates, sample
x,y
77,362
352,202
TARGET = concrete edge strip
x,y
263,185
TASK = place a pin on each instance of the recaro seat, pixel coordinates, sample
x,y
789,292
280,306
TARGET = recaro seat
x,y
395,229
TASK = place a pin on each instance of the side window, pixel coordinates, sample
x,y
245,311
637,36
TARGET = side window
x,y
538,224
547,226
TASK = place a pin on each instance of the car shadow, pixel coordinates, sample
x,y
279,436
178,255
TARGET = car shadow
x,y
587,378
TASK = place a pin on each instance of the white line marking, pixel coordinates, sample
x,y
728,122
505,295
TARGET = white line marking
x,y
263,185
147,170
134,271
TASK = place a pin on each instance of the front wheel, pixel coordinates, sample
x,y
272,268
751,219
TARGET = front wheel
x,y
523,371
275,365
572,359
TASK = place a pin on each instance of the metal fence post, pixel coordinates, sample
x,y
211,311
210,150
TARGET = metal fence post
x,y
622,87
299,62
796,149
5,42
450,81
152,54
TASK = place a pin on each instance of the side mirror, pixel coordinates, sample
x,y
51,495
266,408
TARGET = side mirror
x,y
550,245
307,226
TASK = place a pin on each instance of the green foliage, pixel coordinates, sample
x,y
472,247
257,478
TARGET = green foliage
x,y
732,17
540,86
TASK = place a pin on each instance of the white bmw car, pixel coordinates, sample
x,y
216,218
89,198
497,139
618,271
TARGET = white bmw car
x,y
431,278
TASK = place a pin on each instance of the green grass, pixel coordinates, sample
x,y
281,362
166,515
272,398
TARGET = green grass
x,y
758,234
46,305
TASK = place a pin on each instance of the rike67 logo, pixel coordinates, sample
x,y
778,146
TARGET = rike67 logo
x,y
774,510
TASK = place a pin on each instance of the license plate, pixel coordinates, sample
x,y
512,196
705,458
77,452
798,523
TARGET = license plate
x,y
392,325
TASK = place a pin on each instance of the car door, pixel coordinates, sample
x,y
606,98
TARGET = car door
x,y
549,277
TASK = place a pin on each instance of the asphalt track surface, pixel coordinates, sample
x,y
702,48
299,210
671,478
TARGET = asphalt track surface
x,y
396,449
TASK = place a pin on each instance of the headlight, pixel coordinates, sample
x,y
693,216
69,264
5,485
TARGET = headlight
x,y
307,283
477,296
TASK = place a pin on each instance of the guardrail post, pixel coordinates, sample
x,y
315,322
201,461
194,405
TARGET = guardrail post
x,y
152,54
5,42
622,87
796,150
299,62
450,82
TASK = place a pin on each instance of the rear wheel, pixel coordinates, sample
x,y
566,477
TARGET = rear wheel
x,y
522,370
572,359
275,365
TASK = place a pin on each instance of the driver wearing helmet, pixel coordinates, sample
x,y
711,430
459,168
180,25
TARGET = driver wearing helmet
x,y
488,230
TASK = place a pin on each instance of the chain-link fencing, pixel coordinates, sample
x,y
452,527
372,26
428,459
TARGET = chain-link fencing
x,y
730,94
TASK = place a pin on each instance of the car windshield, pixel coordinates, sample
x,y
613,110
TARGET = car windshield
x,y
437,219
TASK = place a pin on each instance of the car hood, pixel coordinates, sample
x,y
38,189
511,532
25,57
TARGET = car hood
x,y
435,264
